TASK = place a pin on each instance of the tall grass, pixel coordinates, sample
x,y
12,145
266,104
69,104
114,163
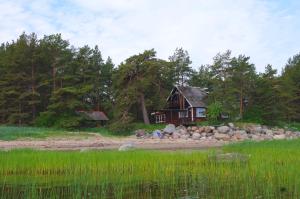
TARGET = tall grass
x,y
272,171
13,133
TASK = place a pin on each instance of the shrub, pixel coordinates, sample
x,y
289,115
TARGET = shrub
x,y
214,111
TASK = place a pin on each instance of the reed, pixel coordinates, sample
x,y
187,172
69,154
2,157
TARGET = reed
x,y
272,171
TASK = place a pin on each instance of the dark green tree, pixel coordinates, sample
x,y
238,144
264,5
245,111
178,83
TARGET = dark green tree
x,y
181,66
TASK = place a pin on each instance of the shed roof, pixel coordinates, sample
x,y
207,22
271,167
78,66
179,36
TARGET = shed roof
x,y
93,115
194,95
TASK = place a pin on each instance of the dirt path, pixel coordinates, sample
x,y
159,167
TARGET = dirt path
x,y
104,143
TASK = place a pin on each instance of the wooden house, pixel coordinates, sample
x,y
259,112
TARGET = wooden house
x,y
185,105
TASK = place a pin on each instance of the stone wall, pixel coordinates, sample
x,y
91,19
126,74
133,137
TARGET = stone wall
x,y
223,133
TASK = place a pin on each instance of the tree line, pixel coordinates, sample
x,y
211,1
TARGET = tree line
x,y
45,81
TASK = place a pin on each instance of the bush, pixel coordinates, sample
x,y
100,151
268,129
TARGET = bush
x,y
64,121
214,111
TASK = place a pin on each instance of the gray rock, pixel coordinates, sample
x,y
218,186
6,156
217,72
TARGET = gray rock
x,y
255,137
231,132
223,129
184,136
256,129
203,138
194,128
180,127
126,147
240,132
288,133
269,132
209,129
170,128
175,135
215,131
240,135
140,133
279,137
157,134
231,125
222,136
279,131
196,136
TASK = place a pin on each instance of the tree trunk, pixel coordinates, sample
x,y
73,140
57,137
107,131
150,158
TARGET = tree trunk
x,y
241,103
144,110
33,90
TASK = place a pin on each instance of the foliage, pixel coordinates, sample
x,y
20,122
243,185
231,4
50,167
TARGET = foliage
x,y
214,111
13,133
180,61
140,86
271,171
49,78
45,81
291,89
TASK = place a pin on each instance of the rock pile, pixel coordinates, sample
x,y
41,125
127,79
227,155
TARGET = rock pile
x,y
220,133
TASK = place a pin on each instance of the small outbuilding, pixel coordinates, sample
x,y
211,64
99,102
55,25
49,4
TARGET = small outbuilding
x,y
184,105
97,117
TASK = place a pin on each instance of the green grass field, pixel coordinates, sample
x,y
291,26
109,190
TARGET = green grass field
x,y
272,171
13,133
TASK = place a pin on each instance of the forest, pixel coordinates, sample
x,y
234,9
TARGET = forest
x,y
43,82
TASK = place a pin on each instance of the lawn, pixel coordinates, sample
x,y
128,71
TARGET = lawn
x,y
272,171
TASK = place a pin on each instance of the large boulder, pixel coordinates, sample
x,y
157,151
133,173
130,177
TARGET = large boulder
x,y
240,132
194,128
240,135
256,129
279,137
231,125
223,129
222,136
209,129
176,135
269,132
180,127
170,128
185,136
157,134
140,133
196,136
182,131
126,147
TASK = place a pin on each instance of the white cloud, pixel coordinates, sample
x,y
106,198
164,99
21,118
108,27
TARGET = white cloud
x,y
262,30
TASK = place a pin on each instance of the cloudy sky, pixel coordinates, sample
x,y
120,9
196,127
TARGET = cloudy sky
x,y
266,30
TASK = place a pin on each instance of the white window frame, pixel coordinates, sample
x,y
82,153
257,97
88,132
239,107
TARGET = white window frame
x,y
160,118
183,114
203,112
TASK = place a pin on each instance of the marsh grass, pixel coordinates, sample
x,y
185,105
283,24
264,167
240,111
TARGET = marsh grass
x,y
271,172
13,133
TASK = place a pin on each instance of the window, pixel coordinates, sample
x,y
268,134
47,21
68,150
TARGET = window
x,y
183,114
200,112
160,118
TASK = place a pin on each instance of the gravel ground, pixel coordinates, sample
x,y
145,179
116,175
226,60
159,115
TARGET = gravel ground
x,y
104,143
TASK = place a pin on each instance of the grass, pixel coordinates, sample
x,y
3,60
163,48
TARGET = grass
x,y
108,133
13,133
272,171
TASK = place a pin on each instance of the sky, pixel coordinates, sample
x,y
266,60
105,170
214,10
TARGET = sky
x,y
266,30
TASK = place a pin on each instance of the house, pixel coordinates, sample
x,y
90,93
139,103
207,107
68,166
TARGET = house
x,y
97,117
185,105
